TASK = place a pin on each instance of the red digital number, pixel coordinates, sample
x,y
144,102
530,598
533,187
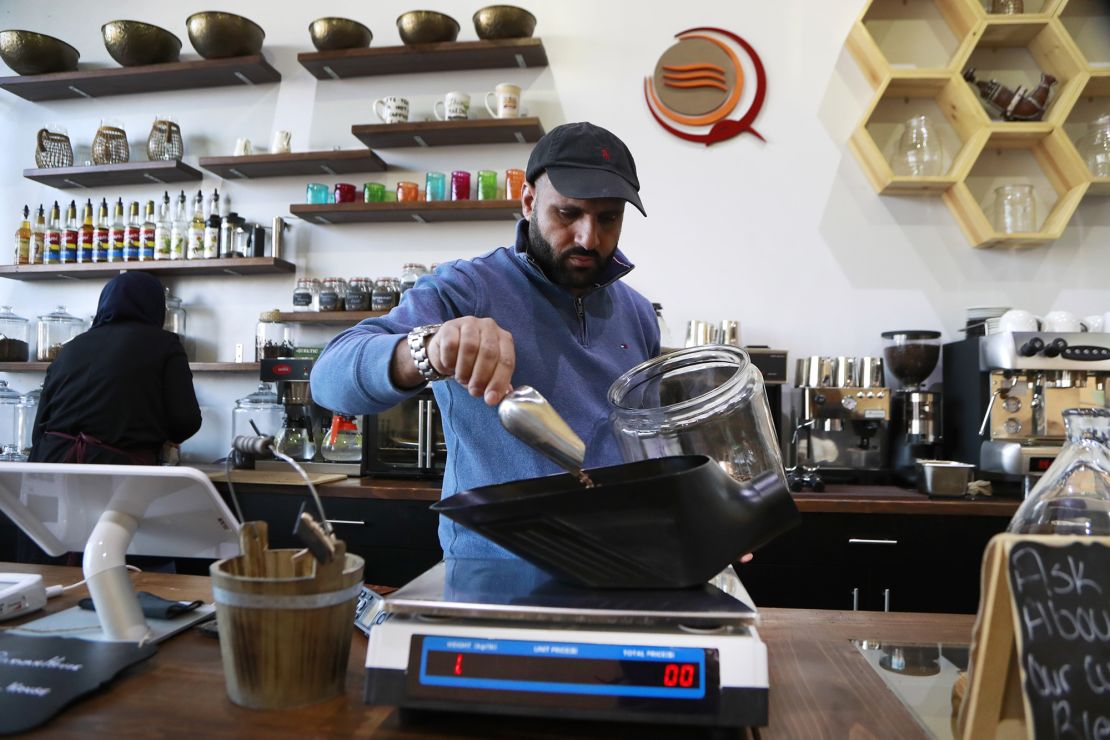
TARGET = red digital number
x,y
458,664
670,675
686,675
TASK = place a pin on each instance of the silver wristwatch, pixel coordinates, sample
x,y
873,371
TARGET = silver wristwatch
x,y
418,348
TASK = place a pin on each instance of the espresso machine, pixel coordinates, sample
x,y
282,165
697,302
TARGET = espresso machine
x,y
840,420
916,431
305,423
1005,395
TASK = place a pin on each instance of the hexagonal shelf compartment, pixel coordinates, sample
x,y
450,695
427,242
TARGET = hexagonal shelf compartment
x,y
1088,24
1089,138
955,117
1016,51
923,35
1045,160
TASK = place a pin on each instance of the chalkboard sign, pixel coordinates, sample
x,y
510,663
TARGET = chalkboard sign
x,y
1062,598
1040,654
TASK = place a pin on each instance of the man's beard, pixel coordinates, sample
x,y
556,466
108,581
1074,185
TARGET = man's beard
x,y
555,266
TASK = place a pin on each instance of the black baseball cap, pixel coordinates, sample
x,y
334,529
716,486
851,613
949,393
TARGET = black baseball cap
x,y
586,161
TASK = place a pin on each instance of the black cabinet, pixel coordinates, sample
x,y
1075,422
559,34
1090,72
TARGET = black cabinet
x,y
396,538
920,563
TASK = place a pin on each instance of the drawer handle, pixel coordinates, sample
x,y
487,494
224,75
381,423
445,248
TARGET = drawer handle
x,y
855,541
347,521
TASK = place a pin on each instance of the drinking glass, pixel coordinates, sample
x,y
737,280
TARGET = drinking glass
x,y
920,152
1014,209
373,192
487,185
407,191
514,184
435,185
1095,147
460,185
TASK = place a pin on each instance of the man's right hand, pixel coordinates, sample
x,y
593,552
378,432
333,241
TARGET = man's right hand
x,y
477,353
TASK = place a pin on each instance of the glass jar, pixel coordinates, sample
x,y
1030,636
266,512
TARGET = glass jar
x,y
1015,211
920,152
1095,147
15,332
410,273
384,297
175,316
1073,496
306,296
272,337
260,407
54,330
706,400
28,410
330,296
358,294
343,441
9,415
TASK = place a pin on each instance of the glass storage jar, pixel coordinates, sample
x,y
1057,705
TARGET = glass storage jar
x,y
306,296
331,298
15,333
704,400
358,294
9,416
1073,496
54,330
175,316
343,441
1095,147
260,407
272,337
28,409
410,273
384,296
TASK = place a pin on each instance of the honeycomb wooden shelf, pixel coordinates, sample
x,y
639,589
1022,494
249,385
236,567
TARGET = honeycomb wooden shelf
x,y
914,53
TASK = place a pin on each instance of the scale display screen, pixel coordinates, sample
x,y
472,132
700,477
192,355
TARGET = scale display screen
x,y
585,669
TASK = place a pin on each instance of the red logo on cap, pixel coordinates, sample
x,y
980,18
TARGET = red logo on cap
x,y
605,154
697,83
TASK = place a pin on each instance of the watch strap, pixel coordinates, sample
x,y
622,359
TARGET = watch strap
x,y
418,347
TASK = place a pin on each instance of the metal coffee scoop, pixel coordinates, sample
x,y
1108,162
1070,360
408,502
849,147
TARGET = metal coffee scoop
x,y
530,418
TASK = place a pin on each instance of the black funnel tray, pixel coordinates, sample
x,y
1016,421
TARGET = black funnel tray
x,y
671,522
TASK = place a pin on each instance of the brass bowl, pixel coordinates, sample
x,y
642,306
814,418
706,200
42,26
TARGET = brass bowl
x,y
504,22
426,27
217,35
30,53
134,43
329,34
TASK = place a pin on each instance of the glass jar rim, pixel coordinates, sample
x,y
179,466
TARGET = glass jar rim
x,y
684,358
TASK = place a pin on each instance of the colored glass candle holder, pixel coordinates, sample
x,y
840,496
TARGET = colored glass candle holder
x,y
317,192
407,192
373,192
487,185
460,185
435,186
345,192
514,184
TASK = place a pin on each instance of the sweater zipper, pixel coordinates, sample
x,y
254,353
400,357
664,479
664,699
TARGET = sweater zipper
x,y
583,333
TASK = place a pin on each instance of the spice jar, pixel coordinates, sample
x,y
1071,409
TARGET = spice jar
x,y
272,337
54,330
306,295
9,416
330,296
410,273
384,296
358,294
14,335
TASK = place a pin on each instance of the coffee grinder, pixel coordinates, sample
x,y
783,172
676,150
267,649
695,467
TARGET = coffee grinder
x,y
911,356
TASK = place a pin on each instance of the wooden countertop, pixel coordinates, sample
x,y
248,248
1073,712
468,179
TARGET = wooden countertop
x,y
820,685
839,499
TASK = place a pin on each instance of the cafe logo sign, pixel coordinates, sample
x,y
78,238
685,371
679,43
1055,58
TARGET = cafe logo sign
x,y
698,84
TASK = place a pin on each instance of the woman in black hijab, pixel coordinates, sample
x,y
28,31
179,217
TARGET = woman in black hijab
x,y
118,392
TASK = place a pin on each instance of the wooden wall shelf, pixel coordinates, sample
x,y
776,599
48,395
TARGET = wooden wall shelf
x,y
455,55
234,266
328,318
196,367
419,211
254,166
99,83
450,133
106,175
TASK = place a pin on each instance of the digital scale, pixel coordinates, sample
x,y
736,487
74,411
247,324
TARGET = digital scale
x,y
504,637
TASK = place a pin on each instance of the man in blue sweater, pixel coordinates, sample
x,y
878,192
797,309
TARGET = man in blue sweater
x,y
549,312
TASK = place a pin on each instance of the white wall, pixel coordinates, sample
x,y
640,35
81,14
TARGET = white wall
x,y
786,236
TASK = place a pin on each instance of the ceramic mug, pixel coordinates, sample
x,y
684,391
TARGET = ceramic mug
x,y
1017,320
1061,321
280,143
392,109
243,147
1095,322
455,106
504,101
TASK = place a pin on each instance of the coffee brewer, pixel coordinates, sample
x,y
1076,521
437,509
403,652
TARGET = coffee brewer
x,y
1005,395
911,356
840,420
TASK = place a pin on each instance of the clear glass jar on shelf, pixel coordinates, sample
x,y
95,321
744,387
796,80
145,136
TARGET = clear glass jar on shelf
x,y
15,334
10,400
919,152
306,295
358,294
273,338
410,273
175,316
384,296
28,409
331,295
53,331
1073,496
1095,147
343,441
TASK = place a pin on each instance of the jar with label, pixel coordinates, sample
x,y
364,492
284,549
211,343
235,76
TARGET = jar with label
x,y
306,296
358,294
272,337
54,330
410,273
14,334
384,296
329,295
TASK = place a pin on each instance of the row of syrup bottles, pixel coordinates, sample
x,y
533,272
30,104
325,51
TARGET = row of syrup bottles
x,y
51,241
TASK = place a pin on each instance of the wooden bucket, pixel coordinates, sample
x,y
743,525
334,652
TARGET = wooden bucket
x,y
285,622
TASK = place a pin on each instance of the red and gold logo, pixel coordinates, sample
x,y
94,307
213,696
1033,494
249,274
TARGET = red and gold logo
x,y
699,82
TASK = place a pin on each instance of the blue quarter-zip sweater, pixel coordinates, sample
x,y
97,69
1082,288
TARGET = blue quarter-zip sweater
x,y
569,349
